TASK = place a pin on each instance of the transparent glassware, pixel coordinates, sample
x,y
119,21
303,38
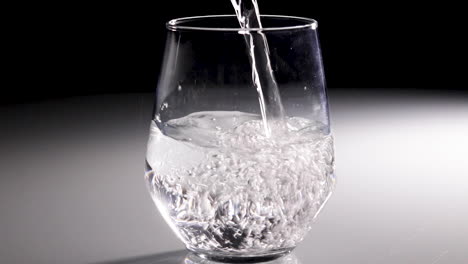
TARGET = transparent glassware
x,y
232,185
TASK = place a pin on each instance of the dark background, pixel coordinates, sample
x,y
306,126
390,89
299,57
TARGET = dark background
x,y
66,49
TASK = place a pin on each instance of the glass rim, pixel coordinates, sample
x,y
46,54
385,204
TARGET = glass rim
x,y
177,24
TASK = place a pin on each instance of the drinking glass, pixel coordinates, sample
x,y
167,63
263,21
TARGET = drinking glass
x,y
235,179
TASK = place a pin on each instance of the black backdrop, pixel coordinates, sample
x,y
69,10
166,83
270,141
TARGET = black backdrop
x,y
67,49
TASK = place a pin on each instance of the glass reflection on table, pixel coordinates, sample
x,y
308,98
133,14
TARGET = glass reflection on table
x,y
184,257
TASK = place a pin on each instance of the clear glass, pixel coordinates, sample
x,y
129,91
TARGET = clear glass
x,y
228,189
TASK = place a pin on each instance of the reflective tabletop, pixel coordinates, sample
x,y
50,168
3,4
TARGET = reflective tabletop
x,y
72,187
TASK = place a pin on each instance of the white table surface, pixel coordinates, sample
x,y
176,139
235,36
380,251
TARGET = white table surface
x,y
72,188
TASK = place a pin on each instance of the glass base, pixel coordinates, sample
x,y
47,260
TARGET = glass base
x,y
237,257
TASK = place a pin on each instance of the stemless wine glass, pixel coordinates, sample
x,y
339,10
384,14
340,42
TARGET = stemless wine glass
x,y
230,190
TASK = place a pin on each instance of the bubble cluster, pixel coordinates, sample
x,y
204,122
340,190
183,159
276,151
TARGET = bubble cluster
x,y
240,191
